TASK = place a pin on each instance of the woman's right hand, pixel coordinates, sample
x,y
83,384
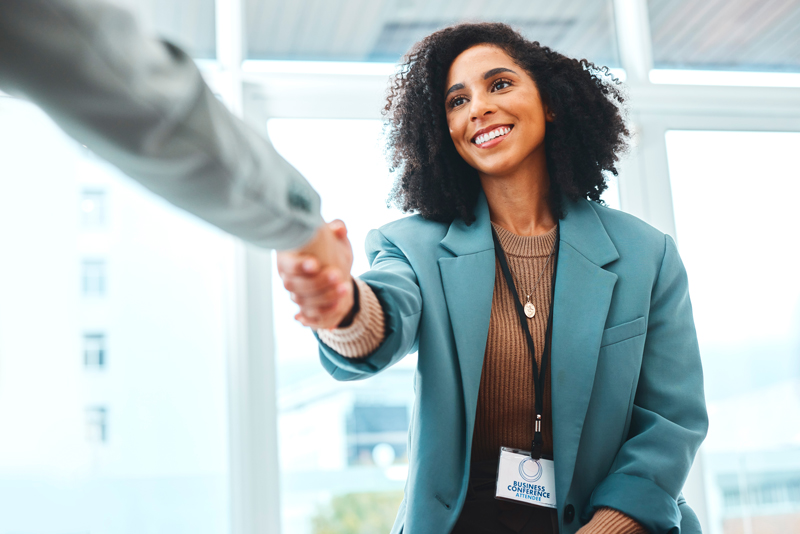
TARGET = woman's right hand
x,y
318,279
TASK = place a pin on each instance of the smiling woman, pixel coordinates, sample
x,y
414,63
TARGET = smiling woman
x,y
438,178
550,329
478,108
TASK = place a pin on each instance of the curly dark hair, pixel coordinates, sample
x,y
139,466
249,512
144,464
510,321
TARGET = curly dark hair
x,y
581,144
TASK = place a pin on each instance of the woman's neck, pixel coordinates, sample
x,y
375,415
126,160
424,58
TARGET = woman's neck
x,y
520,202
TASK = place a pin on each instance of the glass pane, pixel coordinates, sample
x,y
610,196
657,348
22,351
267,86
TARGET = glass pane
x,y
113,403
384,30
191,24
747,35
735,196
611,195
342,444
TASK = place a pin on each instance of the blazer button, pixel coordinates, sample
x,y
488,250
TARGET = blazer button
x,y
569,514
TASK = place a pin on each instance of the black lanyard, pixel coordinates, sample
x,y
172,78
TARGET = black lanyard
x,y
538,376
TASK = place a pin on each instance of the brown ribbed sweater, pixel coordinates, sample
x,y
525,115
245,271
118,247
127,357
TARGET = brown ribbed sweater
x,y
505,411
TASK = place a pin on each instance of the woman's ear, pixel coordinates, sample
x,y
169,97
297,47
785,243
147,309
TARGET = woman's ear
x,y
549,116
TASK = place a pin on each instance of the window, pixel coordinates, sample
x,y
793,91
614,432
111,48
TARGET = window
x,y
94,350
376,435
97,424
94,278
735,196
93,208
147,437
332,435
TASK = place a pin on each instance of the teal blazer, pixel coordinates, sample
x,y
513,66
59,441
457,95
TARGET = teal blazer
x,y
627,385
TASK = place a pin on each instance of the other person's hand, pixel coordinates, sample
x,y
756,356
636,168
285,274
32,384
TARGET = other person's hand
x,y
318,279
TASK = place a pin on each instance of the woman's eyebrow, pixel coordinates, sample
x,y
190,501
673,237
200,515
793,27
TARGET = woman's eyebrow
x,y
488,74
455,87
498,70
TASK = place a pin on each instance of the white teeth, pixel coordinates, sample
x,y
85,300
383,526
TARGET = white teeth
x,y
483,138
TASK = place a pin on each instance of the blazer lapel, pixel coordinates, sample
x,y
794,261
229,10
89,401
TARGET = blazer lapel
x,y
582,298
468,282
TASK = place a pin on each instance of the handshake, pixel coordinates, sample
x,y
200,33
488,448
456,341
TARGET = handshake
x,y
318,278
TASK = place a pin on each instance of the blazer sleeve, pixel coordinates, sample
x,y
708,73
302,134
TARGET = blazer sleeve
x,y
394,282
669,419
142,105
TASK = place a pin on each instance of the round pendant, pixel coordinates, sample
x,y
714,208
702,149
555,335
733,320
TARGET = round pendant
x,y
530,310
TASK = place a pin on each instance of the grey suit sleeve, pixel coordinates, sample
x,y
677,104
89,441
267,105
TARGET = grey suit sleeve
x,y
142,105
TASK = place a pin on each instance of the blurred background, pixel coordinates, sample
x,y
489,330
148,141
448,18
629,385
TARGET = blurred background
x,y
152,379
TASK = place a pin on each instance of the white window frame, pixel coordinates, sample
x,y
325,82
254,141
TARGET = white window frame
x,y
259,94
254,496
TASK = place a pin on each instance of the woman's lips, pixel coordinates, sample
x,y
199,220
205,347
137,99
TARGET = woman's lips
x,y
495,141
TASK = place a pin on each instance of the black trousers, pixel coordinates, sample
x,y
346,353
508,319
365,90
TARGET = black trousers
x,y
483,514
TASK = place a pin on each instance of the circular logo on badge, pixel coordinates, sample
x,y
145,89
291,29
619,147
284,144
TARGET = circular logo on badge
x,y
530,470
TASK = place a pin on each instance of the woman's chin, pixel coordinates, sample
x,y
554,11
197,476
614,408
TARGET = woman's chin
x,y
498,171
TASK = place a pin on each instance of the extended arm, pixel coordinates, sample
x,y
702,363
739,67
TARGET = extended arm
x,y
669,419
392,281
366,331
142,105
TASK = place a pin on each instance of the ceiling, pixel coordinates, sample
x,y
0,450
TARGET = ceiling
x,y
383,30
761,35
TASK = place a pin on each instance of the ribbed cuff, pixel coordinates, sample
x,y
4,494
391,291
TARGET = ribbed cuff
x,y
610,521
365,334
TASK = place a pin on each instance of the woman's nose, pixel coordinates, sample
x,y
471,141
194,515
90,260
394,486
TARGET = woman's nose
x,y
480,108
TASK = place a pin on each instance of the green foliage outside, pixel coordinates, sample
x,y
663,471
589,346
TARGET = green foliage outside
x,y
358,513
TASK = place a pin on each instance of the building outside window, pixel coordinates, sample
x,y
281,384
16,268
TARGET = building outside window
x,y
94,350
97,424
93,208
377,435
93,278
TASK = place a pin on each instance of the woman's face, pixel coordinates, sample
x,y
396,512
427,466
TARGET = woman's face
x,y
494,112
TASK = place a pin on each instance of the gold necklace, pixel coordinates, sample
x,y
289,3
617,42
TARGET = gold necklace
x,y
530,309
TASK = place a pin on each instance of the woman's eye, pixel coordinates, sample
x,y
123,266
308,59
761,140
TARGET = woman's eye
x,y
457,101
501,84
